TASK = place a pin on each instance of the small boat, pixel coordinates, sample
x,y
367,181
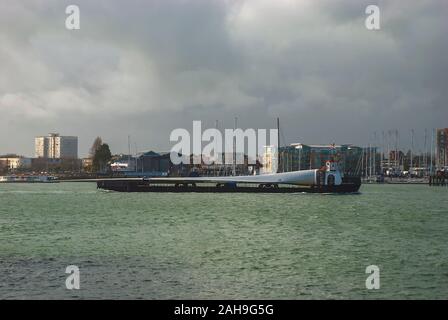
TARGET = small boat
x,y
28,179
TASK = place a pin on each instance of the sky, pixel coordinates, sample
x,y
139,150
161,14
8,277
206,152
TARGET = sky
x,y
144,68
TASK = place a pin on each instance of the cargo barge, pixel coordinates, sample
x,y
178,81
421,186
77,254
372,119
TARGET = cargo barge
x,y
143,186
326,180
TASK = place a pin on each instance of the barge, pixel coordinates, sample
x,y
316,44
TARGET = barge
x,y
326,180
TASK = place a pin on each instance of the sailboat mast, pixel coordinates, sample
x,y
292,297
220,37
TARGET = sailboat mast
x,y
374,153
425,159
412,150
431,154
234,147
129,151
382,152
278,146
215,157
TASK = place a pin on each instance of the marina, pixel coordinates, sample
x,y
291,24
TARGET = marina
x,y
438,180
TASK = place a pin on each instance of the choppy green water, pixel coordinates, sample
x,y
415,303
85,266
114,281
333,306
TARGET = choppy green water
x,y
222,246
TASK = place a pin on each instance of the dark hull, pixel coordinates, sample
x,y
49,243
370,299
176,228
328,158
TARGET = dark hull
x,y
143,186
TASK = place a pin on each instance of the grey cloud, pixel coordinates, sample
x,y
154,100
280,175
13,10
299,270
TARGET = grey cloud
x,y
146,67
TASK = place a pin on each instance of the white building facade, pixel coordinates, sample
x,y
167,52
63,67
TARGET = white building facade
x,y
15,162
55,146
270,160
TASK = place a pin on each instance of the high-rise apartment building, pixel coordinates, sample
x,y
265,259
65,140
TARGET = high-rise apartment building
x,y
55,146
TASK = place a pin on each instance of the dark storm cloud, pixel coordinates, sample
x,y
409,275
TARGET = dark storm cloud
x,y
146,67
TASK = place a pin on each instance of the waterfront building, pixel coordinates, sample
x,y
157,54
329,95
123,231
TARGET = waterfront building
x,y
153,164
299,156
12,162
159,164
56,165
55,146
123,163
270,160
86,164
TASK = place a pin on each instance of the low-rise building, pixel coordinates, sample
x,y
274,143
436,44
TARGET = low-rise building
x,y
13,162
56,165
154,164
123,163
86,164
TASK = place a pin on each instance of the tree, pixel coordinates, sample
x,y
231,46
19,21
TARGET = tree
x,y
101,157
95,146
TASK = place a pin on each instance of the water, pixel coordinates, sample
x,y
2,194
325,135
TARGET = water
x,y
222,246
